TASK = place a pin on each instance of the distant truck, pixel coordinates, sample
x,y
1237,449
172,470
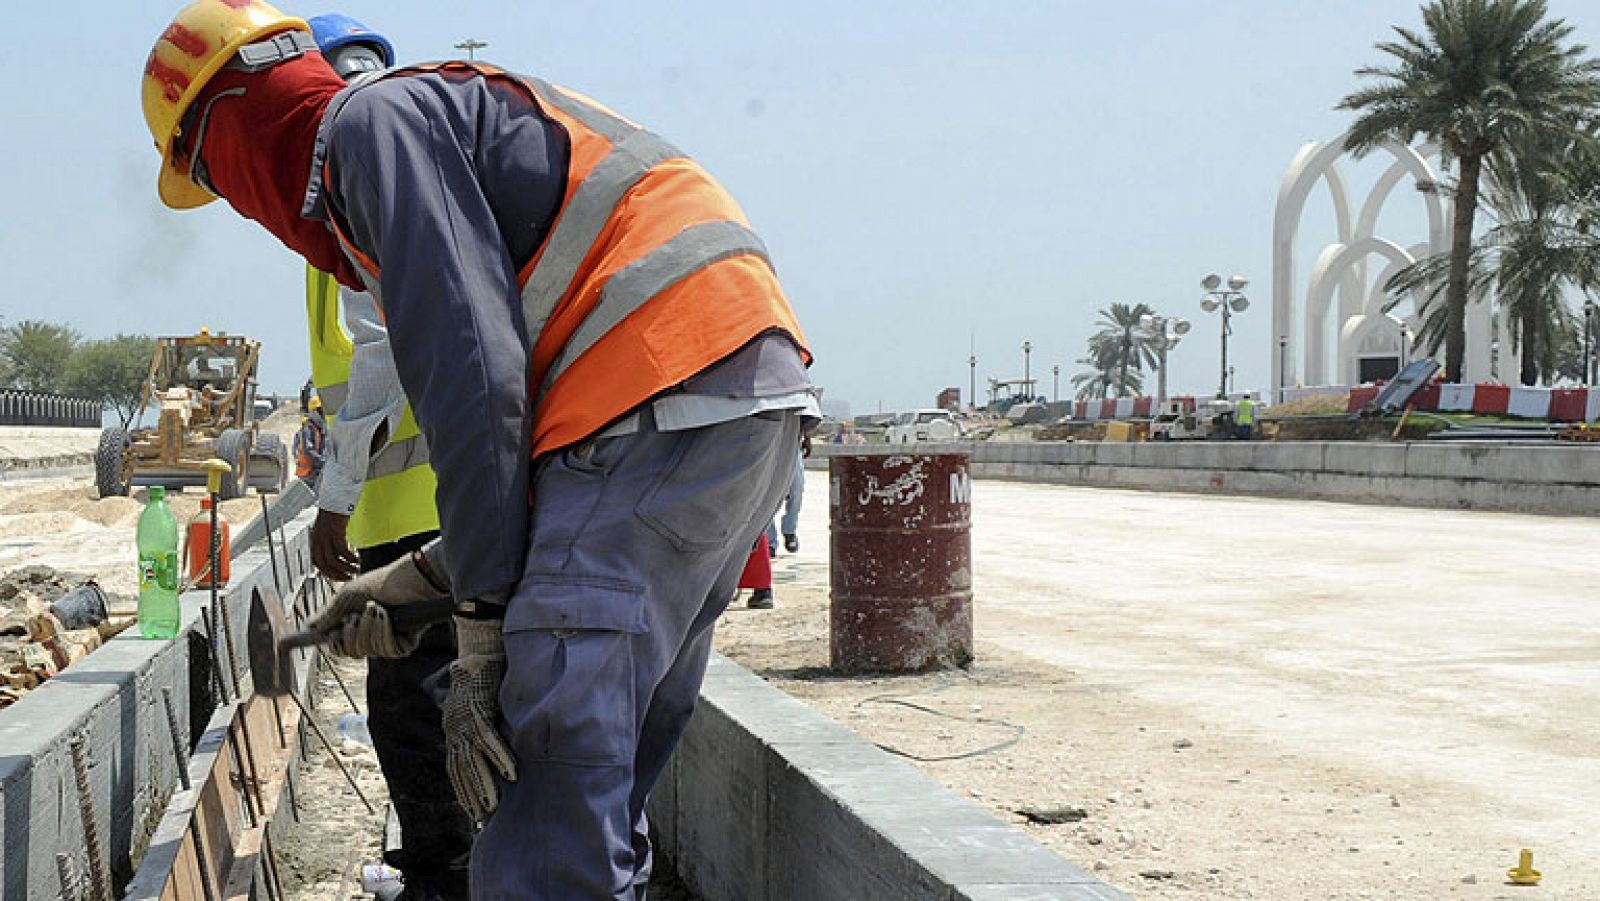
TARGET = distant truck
x,y
924,425
1209,419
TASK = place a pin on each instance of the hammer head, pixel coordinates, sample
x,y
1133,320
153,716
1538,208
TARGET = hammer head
x,y
271,661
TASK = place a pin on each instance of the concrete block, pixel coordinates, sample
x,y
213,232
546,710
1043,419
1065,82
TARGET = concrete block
x,y
1112,453
771,800
1163,454
722,814
112,701
1287,456
1364,459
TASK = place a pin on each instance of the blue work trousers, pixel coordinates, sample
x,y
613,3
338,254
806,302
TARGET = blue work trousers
x,y
635,548
791,504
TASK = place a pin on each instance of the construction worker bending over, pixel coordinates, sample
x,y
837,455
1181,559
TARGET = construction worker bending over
x,y
376,493
610,381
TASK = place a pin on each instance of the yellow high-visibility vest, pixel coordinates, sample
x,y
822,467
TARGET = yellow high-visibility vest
x,y
397,499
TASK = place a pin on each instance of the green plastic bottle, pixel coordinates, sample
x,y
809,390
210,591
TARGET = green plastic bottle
x,y
159,612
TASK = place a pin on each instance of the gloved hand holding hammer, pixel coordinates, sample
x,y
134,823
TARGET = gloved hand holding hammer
x,y
362,620
368,618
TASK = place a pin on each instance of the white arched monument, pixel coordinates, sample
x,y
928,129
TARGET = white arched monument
x,y
1366,338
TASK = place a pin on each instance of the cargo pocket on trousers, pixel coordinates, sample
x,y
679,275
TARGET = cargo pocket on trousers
x,y
569,694
709,490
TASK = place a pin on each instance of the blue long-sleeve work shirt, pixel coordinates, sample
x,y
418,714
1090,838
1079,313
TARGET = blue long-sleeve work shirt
x,y
449,182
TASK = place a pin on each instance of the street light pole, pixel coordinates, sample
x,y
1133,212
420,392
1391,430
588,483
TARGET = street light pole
x,y
1168,332
1229,301
1283,367
1027,378
1589,309
471,45
1055,392
972,385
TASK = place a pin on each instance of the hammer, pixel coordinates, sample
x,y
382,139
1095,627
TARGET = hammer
x,y
272,663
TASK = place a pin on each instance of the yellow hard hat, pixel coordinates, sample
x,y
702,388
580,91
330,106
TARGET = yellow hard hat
x,y
201,39
315,403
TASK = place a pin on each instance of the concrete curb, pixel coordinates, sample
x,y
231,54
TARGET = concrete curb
x,y
1562,480
112,700
66,466
768,800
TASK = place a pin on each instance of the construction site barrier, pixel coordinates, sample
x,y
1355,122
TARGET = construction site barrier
x,y
27,408
1519,401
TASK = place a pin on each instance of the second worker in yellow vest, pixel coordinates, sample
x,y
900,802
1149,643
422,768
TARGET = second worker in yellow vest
x,y
376,493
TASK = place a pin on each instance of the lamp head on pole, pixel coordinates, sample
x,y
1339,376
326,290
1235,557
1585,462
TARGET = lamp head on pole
x,y
1210,304
1211,282
1180,327
1239,304
1237,283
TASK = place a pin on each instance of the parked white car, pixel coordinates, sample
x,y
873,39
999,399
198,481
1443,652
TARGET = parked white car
x,y
924,425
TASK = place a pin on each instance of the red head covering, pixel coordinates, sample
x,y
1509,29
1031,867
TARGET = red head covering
x,y
257,151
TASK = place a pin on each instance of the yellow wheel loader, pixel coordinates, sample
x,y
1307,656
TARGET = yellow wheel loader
x,y
202,388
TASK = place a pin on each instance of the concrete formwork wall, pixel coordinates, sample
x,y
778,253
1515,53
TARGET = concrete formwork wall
x,y
769,800
1524,478
112,700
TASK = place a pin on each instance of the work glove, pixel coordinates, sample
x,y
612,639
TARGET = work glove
x,y
356,623
473,746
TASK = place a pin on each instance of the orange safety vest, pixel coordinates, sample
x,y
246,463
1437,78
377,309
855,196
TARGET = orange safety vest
x,y
307,441
650,273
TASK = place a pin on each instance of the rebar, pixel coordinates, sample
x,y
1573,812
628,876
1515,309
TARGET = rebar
x,y
227,641
69,879
245,803
305,715
200,858
99,877
216,657
179,752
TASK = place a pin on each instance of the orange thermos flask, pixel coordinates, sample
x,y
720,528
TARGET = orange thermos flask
x,y
198,548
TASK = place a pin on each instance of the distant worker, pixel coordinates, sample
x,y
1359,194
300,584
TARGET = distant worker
x,y
310,443
1244,418
757,576
609,378
791,505
376,494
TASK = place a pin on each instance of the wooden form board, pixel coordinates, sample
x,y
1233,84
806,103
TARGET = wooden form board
x,y
214,839
206,847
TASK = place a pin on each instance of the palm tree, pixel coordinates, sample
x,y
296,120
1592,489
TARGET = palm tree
x,y
1099,377
1122,341
1545,197
1484,73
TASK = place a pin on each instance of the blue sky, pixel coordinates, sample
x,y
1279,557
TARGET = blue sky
x,y
925,173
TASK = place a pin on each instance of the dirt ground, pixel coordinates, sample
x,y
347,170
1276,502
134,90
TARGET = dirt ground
x,y
322,857
1247,698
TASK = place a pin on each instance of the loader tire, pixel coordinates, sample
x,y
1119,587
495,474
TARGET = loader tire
x,y
271,447
233,448
112,474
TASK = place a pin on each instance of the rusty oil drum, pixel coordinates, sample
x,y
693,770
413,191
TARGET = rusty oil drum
x,y
901,552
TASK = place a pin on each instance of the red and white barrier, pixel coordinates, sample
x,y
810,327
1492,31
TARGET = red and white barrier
x,y
1520,401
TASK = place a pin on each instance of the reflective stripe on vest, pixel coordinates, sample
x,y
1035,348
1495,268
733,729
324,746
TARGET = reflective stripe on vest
x,y
648,275
693,249
398,456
